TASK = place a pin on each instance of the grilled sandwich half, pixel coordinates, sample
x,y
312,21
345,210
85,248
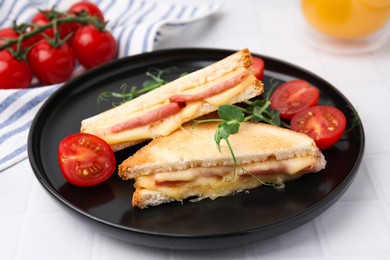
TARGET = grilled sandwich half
x,y
165,109
187,163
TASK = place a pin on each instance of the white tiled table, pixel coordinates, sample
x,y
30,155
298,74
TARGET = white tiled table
x,y
34,226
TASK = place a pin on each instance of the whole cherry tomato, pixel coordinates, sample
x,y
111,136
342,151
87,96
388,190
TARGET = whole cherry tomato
x,y
51,64
10,33
93,47
14,73
85,159
90,8
43,18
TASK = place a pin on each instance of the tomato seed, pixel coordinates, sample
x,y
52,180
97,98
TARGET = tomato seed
x,y
94,168
295,104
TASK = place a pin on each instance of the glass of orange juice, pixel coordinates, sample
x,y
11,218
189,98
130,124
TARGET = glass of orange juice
x,y
347,26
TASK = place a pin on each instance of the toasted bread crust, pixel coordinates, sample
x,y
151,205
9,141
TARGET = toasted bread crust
x,y
239,59
143,198
255,146
254,90
255,142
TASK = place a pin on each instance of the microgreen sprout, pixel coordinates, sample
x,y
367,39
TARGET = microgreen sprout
x,y
57,18
355,120
156,80
231,116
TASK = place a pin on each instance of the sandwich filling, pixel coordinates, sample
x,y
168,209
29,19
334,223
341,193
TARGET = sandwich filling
x,y
167,116
218,181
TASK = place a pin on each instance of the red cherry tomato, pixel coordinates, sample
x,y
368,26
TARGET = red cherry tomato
x,y
13,73
294,96
51,65
90,8
325,124
9,33
85,159
41,19
93,47
258,67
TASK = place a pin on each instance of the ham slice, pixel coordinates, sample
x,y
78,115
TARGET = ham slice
x,y
213,90
177,102
149,117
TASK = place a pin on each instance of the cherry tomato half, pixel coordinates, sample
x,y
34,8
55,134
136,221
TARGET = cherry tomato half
x,y
258,67
325,124
85,159
13,73
294,96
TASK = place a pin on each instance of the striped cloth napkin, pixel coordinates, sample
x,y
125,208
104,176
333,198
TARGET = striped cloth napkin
x,y
136,24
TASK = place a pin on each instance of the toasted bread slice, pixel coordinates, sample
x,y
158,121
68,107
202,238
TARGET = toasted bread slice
x,y
198,81
187,162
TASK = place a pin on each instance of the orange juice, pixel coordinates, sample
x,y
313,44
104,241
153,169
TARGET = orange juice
x,y
346,18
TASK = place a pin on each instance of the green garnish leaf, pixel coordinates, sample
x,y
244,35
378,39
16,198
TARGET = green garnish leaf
x,y
156,80
231,116
259,110
151,83
230,113
275,117
218,138
355,120
274,84
231,128
224,131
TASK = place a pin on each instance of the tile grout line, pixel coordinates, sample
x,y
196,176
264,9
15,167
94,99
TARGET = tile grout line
x,y
93,246
26,217
382,199
380,68
322,239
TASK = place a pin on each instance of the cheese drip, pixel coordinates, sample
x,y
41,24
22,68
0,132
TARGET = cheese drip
x,y
214,182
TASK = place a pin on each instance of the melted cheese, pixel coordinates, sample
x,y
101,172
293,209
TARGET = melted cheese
x,y
219,181
161,127
203,87
224,97
171,123
108,122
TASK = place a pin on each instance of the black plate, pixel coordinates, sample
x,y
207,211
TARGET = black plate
x,y
225,222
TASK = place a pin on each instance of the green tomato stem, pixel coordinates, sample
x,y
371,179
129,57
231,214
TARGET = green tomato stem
x,y
56,21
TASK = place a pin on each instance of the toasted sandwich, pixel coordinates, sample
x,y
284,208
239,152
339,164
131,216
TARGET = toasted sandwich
x,y
165,109
187,163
